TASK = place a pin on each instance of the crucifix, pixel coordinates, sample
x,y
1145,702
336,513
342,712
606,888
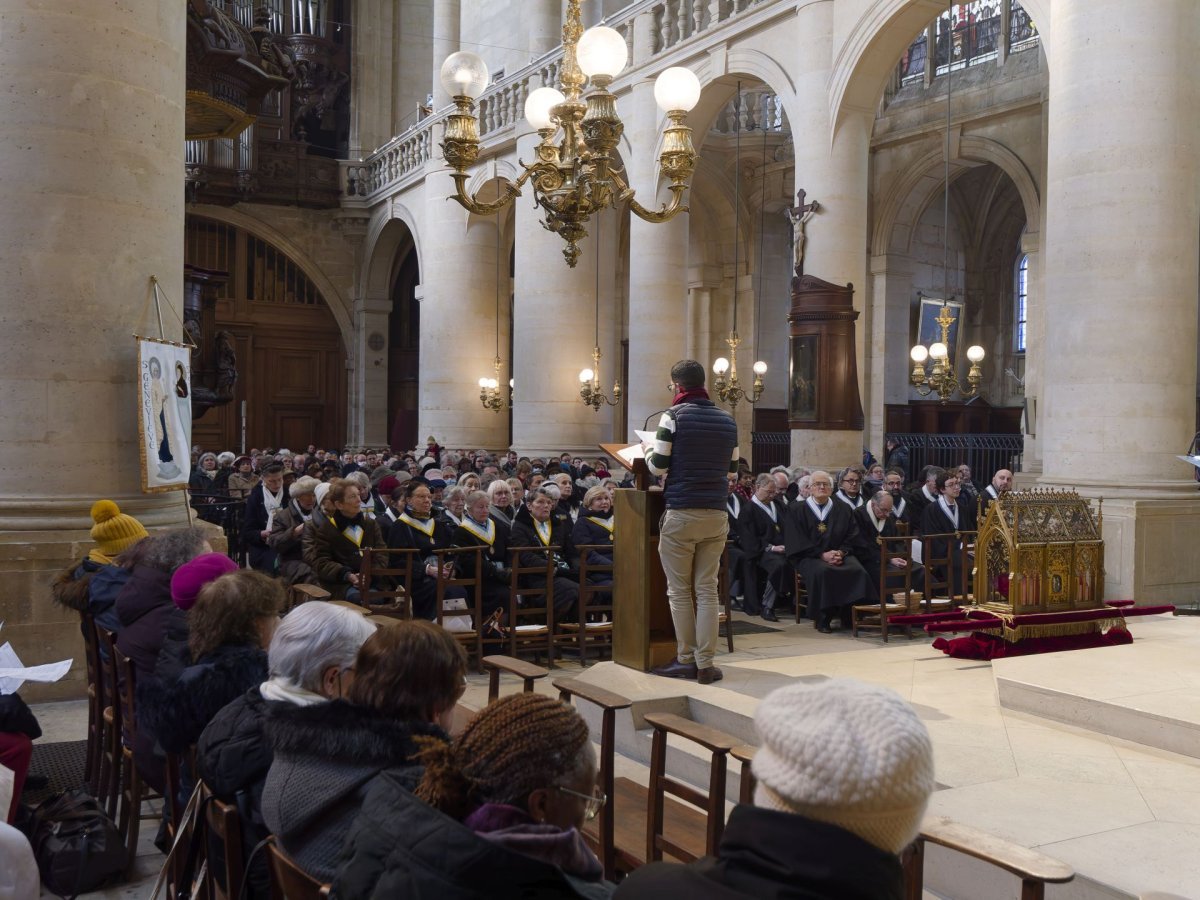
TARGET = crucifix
x,y
798,215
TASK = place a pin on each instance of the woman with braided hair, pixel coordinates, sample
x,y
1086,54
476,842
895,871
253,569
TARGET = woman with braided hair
x,y
497,814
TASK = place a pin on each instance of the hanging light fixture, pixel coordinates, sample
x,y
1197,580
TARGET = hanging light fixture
x,y
490,394
574,178
941,377
729,390
589,379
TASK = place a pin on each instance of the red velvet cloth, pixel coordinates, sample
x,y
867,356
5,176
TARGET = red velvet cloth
x,y
980,645
15,752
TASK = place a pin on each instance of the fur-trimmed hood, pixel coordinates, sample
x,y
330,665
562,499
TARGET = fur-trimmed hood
x,y
340,731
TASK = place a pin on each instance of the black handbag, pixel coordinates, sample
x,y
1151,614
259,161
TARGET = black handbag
x,y
77,846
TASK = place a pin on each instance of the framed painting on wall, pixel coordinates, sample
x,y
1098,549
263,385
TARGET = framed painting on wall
x,y
802,397
929,329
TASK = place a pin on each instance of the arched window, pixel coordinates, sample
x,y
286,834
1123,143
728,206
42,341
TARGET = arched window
x,y
1020,298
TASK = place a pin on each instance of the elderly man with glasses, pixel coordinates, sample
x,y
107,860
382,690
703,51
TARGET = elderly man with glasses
x,y
821,540
850,486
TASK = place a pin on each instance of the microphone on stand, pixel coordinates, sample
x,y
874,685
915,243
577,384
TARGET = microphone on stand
x,y
646,424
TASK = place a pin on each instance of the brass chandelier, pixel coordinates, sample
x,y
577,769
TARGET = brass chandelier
x,y
575,177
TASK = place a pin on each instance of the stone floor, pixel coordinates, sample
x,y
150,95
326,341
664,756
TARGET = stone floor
x,y
1125,814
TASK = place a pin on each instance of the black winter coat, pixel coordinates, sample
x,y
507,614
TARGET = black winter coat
x,y
144,606
401,847
326,757
771,855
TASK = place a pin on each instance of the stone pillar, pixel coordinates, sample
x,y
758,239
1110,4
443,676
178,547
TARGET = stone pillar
x,y
458,321
886,360
446,35
371,371
554,336
658,282
1121,272
543,20
91,205
833,169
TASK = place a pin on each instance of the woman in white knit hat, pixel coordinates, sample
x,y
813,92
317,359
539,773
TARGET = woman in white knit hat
x,y
844,771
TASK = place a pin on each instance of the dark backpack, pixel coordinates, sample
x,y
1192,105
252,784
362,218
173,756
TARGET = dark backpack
x,y
77,846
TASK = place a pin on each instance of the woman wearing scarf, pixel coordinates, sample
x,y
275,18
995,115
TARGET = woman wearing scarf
x,y
334,549
481,529
417,529
594,528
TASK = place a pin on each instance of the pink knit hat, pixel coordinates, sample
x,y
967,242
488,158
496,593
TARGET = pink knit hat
x,y
192,576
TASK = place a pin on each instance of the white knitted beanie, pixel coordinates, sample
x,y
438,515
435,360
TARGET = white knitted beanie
x,y
851,754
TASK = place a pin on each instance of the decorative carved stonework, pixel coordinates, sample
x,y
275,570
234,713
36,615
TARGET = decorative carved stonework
x,y
227,75
319,90
823,391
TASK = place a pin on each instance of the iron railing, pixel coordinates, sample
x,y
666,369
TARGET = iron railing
x,y
984,453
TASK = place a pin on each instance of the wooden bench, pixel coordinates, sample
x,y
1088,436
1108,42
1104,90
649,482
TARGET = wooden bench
x,y
526,671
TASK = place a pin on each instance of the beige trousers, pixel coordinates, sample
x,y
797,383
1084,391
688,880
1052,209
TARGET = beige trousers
x,y
690,543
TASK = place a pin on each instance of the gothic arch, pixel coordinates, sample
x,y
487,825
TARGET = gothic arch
x,y
389,230
334,299
865,59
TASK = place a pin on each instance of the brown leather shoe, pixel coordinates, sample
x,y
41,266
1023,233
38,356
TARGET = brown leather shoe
x,y
675,669
709,675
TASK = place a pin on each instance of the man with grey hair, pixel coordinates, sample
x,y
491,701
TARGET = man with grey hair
x,y
876,519
762,537
310,662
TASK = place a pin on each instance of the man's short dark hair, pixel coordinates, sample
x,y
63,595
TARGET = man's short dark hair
x,y
688,374
273,469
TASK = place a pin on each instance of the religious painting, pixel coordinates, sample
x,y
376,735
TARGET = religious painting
x,y
802,405
164,414
929,329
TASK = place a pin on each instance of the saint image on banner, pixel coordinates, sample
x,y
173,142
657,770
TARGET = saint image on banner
x,y
164,415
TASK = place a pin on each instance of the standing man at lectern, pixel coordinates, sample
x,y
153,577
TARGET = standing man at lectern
x,y
695,447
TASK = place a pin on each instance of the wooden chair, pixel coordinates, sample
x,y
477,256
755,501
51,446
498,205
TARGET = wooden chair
x,y
386,578
1035,870
109,791
288,880
725,616
941,592
472,640
134,791
601,831
592,633
800,595
526,671
305,593
719,745
225,825
95,697
530,626
874,616
745,755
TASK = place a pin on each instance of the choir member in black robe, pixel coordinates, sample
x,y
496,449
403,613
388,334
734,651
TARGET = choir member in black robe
x,y
876,520
417,529
534,525
480,529
947,515
902,505
850,487
821,539
594,528
921,494
763,538
737,577
1001,483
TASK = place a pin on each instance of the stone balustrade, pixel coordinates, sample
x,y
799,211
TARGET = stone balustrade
x,y
402,160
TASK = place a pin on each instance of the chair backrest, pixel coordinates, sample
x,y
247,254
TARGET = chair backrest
x,y
946,553
288,880
543,612
467,574
745,755
719,744
91,655
305,593
526,671
226,825
586,588
1035,869
609,703
387,577
898,547
126,691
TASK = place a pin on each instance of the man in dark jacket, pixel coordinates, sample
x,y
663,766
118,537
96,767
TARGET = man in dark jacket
x,y
896,455
695,447
266,498
844,774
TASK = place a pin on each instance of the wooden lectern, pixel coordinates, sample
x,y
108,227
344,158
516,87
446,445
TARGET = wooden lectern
x,y
643,635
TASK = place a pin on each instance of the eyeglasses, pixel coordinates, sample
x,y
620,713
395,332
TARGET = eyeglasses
x,y
595,800
671,388
821,484
849,481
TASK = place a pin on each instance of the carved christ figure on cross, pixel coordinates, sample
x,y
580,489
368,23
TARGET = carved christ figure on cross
x,y
798,215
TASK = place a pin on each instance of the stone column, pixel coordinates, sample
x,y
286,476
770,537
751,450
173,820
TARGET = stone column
x,y
458,320
554,334
446,24
833,169
91,205
543,20
1121,279
658,282
371,371
886,360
